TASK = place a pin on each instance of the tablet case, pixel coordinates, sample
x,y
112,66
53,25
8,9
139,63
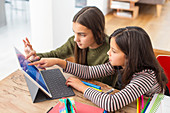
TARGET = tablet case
x,y
36,94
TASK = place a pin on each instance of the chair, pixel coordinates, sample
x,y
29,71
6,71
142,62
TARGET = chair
x,y
164,61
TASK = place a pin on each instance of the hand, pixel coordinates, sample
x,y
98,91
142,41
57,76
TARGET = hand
x,y
45,62
29,51
77,84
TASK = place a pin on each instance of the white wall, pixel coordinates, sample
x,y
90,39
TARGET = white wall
x,y
41,24
51,21
103,5
63,13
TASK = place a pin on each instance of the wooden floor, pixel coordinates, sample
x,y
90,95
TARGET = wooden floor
x,y
157,27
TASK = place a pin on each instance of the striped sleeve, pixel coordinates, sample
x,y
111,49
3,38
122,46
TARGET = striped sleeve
x,y
89,72
138,86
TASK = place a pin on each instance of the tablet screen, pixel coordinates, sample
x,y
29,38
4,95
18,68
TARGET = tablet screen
x,y
32,71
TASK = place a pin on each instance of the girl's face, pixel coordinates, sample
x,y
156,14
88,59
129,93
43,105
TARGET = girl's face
x,y
116,56
83,36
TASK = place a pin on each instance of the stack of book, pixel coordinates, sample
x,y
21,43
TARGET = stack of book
x,y
124,14
120,5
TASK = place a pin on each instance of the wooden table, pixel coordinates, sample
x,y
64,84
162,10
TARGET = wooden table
x,y
15,96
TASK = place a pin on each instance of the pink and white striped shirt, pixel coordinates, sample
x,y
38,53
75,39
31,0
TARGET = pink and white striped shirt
x,y
142,83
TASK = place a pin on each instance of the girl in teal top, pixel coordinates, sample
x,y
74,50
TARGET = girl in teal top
x,y
89,44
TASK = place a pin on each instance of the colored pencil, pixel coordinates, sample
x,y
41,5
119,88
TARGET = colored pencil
x,y
142,102
139,105
97,89
92,85
146,105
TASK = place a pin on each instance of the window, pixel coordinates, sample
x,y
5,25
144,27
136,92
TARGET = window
x,y
80,3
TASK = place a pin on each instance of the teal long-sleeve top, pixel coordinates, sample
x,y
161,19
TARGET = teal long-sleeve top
x,y
94,56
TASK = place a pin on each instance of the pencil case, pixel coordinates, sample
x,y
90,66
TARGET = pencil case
x,y
67,105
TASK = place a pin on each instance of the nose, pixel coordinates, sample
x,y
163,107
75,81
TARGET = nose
x,y
76,38
108,53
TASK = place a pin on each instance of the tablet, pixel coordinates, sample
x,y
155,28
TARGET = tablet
x,y
32,72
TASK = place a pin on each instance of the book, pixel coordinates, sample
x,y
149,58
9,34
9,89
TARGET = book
x,y
124,14
80,108
159,104
120,5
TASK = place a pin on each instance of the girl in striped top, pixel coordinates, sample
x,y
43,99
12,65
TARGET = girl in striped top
x,y
131,49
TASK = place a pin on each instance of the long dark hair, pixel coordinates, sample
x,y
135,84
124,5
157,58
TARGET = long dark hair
x,y
135,43
93,19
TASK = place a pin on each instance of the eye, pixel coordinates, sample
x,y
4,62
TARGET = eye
x,y
83,35
113,51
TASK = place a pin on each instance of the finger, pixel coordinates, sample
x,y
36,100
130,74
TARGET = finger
x,y
28,56
68,80
32,53
33,60
27,40
25,44
37,58
30,46
40,69
35,63
43,65
68,83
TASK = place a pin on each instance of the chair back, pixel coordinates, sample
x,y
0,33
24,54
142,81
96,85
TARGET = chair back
x,y
164,61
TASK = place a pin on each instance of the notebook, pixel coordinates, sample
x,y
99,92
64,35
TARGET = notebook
x,y
159,104
51,82
80,108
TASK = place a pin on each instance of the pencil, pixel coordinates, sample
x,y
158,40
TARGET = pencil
x,y
146,105
142,102
92,85
137,105
97,89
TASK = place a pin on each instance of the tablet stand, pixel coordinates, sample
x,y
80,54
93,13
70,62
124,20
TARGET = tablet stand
x,y
36,94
